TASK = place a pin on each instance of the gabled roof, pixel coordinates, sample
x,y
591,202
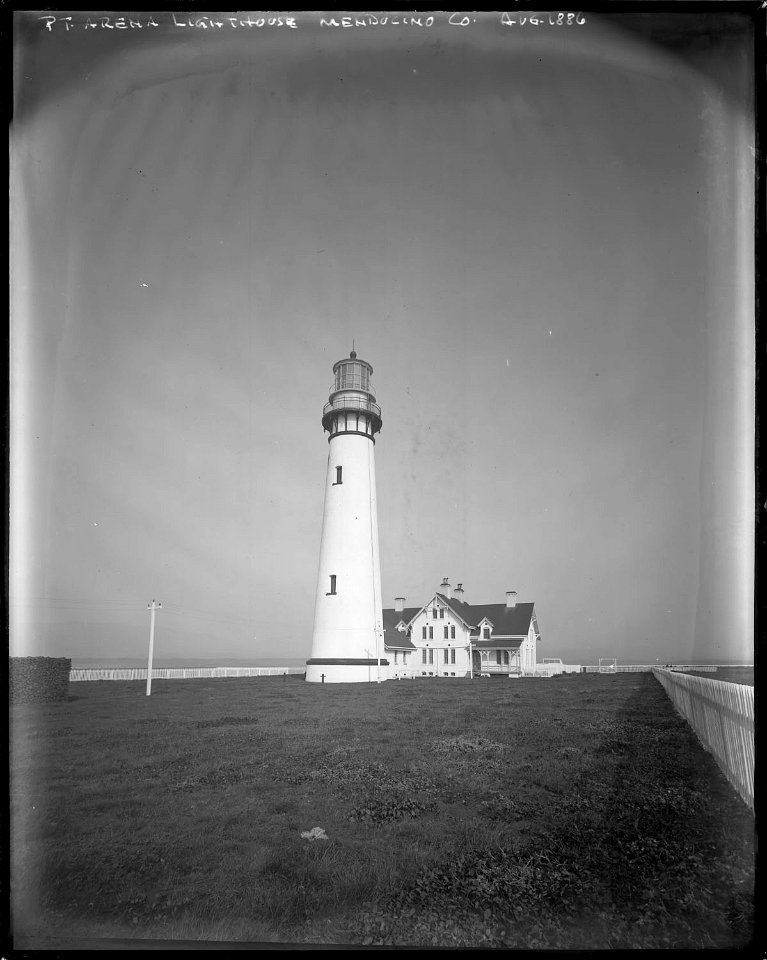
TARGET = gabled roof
x,y
509,621
461,610
394,638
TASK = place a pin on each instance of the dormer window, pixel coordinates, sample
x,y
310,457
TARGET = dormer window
x,y
485,633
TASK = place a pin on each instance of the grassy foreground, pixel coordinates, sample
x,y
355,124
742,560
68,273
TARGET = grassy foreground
x,y
575,812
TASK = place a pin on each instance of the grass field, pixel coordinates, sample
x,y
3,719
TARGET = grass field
x,y
575,812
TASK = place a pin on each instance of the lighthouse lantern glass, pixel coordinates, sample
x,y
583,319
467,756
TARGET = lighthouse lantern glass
x,y
352,375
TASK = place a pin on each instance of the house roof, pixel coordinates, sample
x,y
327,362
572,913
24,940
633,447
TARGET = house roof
x,y
507,621
500,643
460,609
394,637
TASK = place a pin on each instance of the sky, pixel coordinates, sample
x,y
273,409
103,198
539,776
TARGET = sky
x,y
540,237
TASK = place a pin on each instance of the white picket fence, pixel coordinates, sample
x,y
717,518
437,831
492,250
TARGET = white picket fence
x,y
180,673
648,667
550,669
722,716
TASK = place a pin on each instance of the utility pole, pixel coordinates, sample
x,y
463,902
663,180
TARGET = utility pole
x,y
152,607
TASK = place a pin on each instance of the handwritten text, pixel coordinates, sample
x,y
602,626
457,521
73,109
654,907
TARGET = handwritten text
x,y
538,19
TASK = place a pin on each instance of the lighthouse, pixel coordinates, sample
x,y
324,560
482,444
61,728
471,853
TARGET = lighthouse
x,y
347,643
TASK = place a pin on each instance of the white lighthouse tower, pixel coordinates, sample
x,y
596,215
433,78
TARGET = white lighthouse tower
x,y
347,644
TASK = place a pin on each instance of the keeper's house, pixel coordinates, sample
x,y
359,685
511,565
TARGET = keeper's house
x,y
446,636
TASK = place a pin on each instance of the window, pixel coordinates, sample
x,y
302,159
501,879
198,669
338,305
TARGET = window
x,y
339,473
431,633
423,633
498,656
332,585
423,656
431,656
452,656
452,633
446,653
445,633
434,612
506,657
404,659
486,633
395,656
441,613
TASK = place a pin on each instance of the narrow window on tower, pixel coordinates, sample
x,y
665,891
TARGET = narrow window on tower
x,y
339,474
332,585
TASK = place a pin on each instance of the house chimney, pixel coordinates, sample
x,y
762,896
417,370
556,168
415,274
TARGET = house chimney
x,y
511,598
399,604
445,588
459,593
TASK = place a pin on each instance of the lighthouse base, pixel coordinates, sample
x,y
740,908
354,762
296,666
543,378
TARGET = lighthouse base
x,y
346,670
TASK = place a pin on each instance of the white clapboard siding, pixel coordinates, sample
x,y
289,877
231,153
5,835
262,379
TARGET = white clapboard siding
x,y
180,673
722,716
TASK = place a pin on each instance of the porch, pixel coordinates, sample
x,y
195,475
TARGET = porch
x,y
497,661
